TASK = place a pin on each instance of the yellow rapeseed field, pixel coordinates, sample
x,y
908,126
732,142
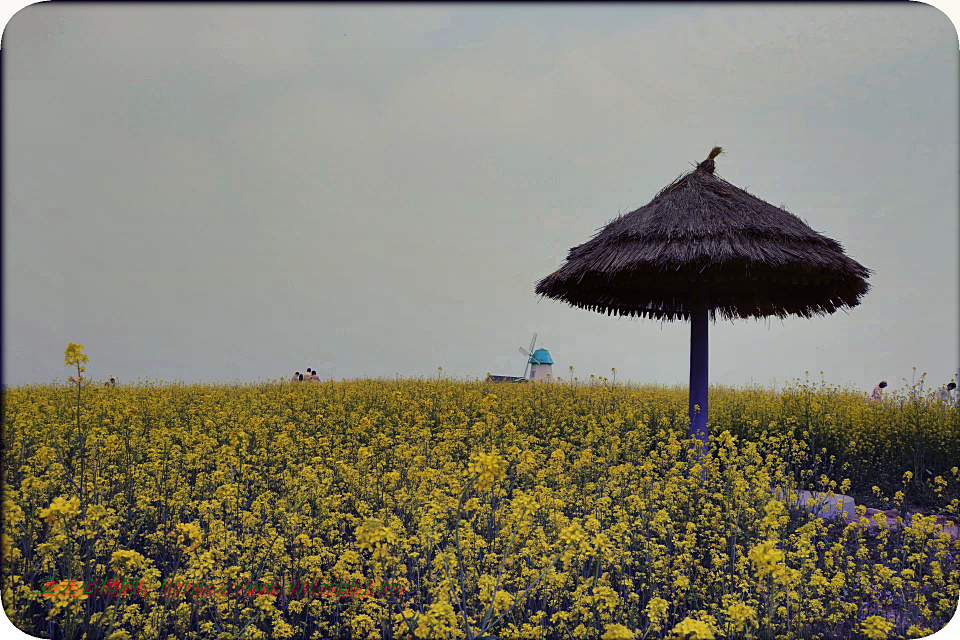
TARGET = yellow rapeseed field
x,y
514,511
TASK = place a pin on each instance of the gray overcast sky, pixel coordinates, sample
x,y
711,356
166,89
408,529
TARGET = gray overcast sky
x,y
227,192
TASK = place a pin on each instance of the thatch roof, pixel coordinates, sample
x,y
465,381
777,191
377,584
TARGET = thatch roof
x,y
758,260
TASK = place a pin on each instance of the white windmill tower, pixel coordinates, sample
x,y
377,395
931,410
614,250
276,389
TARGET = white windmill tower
x,y
539,362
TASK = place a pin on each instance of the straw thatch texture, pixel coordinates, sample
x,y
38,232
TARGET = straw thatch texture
x,y
758,260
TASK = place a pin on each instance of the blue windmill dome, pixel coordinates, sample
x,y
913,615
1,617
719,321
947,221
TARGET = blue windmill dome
x,y
540,356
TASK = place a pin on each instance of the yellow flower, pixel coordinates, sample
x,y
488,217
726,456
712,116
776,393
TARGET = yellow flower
x,y
125,559
617,632
766,558
876,627
602,544
489,467
191,531
65,590
573,534
523,505
373,535
303,539
12,513
361,481
362,625
61,508
656,611
74,355
690,629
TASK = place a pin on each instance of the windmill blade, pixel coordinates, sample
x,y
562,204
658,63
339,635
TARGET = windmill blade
x,y
524,352
533,342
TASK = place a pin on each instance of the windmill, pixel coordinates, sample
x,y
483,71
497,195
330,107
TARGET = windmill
x,y
529,355
541,364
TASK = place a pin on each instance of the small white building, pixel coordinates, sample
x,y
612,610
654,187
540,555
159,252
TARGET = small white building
x,y
541,365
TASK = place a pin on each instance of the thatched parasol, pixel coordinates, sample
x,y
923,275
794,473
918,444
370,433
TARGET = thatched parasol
x,y
701,248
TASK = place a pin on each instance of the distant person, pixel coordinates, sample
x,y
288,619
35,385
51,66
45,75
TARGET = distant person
x,y
297,377
112,383
314,377
948,394
878,392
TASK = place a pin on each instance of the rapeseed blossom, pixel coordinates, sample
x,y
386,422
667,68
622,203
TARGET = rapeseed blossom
x,y
690,629
743,618
489,468
536,512
65,594
617,632
656,611
61,508
876,627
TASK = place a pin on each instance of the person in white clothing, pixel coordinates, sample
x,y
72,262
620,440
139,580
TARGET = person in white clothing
x,y
948,394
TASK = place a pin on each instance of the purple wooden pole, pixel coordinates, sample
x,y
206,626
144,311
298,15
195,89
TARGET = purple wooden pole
x,y
698,362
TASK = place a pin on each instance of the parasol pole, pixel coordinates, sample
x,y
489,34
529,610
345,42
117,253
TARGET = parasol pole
x,y
698,362
699,308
